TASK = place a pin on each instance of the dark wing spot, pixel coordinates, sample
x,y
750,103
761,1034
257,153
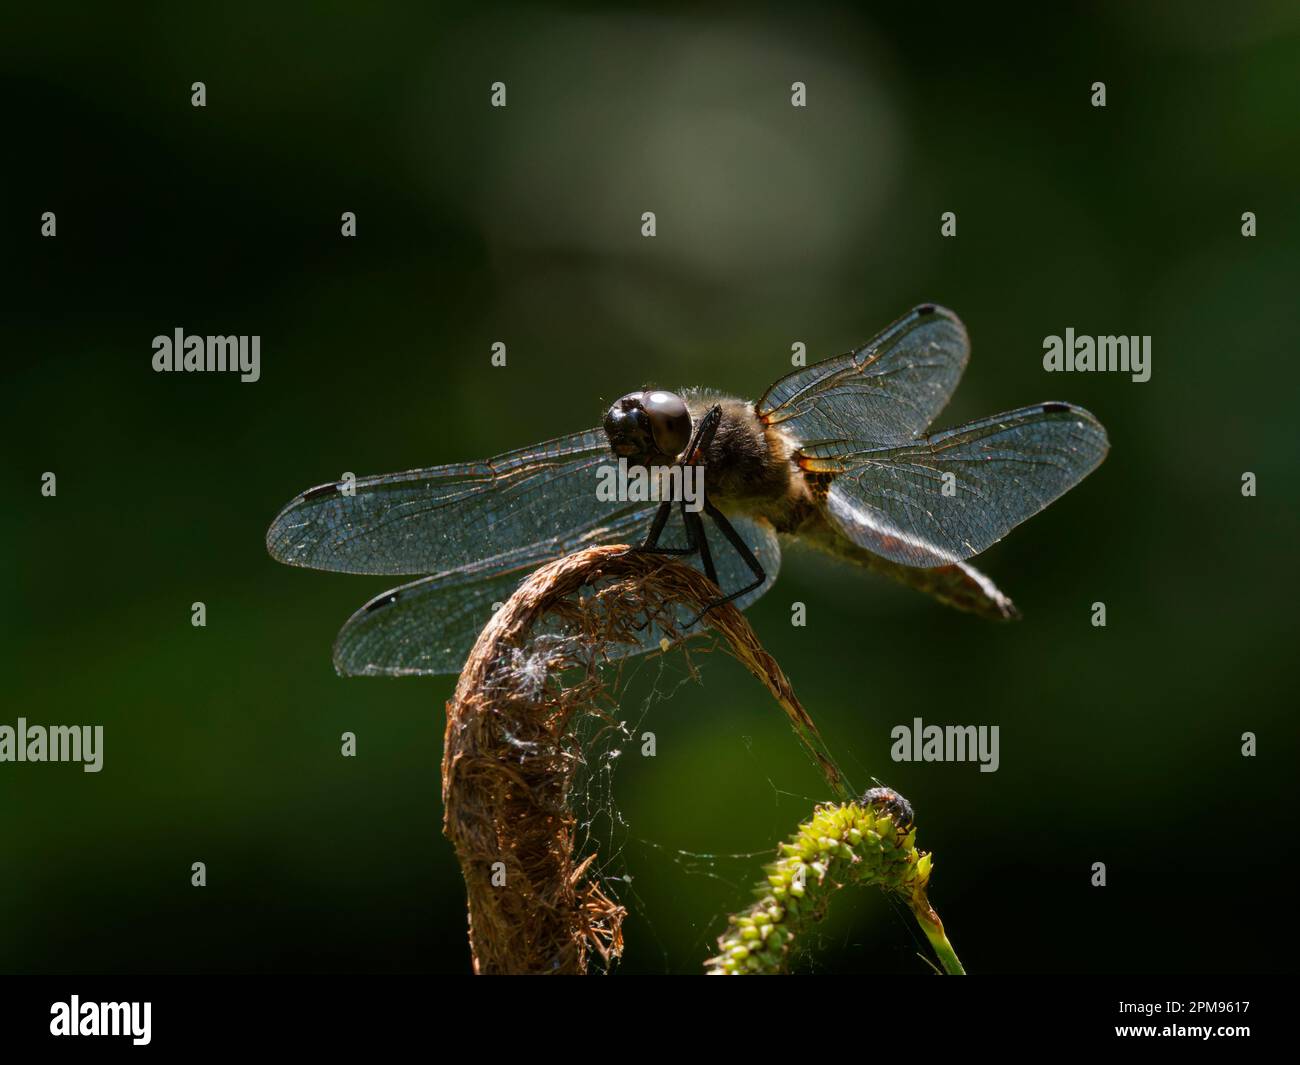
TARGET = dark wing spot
x,y
1055,408
819,484
320,492
380,602
925,308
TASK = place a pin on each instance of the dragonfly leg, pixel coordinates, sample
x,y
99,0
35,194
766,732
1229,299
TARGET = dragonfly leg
x,y
695,525
651,541
738,542
700,440
704,434
650,545
696,541
742,549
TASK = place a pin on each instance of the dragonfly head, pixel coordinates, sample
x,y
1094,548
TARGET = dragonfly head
x,y
648,426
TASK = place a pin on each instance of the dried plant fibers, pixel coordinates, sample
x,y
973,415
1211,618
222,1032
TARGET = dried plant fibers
x,y
511,750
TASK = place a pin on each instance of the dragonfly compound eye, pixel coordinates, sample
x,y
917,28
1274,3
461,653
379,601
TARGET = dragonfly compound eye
x,y
628,427
643,425
670,422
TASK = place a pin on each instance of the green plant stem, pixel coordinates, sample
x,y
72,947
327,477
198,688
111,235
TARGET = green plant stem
x,y
933,929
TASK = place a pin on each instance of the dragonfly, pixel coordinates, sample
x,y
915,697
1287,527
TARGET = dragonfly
x,y
837,455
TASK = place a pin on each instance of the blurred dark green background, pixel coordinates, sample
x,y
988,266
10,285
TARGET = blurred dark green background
x,y
522,225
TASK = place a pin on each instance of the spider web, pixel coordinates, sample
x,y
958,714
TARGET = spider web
x,y
622,853
570,664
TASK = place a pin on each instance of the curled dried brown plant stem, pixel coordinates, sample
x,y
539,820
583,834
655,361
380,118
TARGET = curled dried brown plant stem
x,y
510,753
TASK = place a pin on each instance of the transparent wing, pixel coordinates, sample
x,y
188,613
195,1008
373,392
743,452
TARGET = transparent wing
x,y
884,394
998,471
429,626
519,508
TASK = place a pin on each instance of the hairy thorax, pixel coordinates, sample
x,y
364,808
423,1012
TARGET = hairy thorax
x,y
750,467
